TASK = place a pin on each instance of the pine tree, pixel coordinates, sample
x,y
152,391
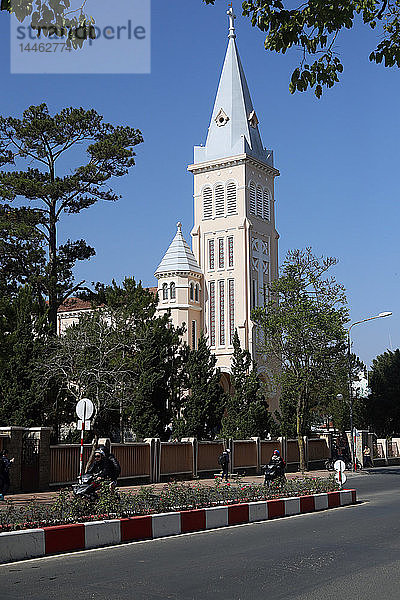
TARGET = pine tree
x,y
246,413
42,143
203,405
22,345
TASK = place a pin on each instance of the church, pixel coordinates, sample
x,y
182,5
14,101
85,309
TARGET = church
x,y
214,285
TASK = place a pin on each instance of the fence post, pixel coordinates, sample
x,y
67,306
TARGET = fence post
x,y
194,443
44,456
384,444
257,441
154,444
231,445
13,443
283,443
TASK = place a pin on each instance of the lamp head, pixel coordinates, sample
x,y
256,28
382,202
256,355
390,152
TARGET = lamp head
x,y
384,314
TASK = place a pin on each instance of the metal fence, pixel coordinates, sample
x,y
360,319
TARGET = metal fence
x,y
207,456
176,458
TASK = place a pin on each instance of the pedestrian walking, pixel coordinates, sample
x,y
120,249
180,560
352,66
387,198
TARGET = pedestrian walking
x,y
5,464
367,457
224,461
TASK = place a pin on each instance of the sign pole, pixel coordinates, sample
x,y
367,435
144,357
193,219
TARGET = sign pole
x,y
81,455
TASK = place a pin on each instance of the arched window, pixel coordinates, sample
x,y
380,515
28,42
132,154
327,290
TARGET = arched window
x,y
165,291
207,203
266,208
219,200
197,293
231,198
259,201
192,291
252,198
172,291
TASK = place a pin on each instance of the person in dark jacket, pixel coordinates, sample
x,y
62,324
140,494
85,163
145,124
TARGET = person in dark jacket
x,y
224,461
114,466
275,468
5,464
100,467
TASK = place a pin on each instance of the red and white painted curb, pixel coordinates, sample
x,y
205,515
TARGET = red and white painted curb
x,y
33,543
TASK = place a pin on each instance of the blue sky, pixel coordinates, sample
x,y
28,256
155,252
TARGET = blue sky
x,y
338,157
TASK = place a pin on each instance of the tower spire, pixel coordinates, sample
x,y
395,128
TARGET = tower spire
x,y
231,14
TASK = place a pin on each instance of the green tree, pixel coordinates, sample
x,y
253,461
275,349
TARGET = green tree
x,y
150,353
383,404
303,331
52,17
246,413
202,407
83,363
23,400
22,258
314,28
44,142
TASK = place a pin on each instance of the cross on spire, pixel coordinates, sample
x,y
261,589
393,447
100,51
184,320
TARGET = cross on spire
x,y
232,17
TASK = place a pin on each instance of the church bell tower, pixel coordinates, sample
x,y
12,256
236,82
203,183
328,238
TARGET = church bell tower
x,y
235,242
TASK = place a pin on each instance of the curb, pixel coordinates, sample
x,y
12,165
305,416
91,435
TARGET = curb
x,y
34,543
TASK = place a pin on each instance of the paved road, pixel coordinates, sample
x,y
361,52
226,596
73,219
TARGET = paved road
x,y
351,552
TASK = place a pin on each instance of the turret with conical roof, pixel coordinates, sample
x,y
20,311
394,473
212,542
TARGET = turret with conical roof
x,y
180,287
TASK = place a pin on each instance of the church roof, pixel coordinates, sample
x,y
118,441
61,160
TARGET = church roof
x,y
234,125
179,256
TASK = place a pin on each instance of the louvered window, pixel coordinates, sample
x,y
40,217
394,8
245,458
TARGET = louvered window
x,y
165,291
207,203
266,209
252,198
192,291
211,255
230,251
222,313
231,300
172,293
221,254
197,293
231,198
259,202
219,200
212,313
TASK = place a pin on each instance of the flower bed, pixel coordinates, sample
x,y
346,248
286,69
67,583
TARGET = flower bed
x,y
67,509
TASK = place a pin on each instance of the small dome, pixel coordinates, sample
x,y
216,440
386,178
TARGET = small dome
x,y
178,257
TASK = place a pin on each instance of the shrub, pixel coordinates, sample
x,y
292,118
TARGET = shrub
x,y
68,508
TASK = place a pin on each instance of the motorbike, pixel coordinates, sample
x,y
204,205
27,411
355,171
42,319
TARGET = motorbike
x,y
272,472
87,488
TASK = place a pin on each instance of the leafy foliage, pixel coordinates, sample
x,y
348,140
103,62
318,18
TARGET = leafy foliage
x,y
246,412
42,141
303,332
203,404
383,405
174,496
22,343
314,27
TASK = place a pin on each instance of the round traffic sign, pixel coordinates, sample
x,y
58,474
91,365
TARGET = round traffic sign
x,y
84,409
340,477
339,466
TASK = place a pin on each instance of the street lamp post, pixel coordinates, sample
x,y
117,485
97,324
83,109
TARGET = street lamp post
x,y
381,315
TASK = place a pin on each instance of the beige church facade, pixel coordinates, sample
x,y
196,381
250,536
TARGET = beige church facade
x,y
214,285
